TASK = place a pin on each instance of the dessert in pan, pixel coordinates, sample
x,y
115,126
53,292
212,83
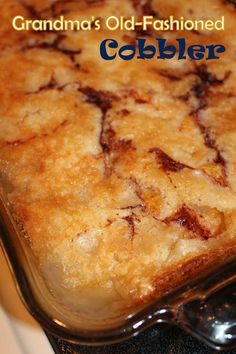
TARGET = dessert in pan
x,y
121,174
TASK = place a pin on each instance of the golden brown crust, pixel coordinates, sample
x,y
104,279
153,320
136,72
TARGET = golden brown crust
x,y
196,266
123,175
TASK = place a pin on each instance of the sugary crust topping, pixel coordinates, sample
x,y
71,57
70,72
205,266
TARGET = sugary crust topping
x,y
119,173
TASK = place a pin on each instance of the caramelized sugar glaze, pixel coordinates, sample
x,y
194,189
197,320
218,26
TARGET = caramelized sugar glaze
x,y
123,175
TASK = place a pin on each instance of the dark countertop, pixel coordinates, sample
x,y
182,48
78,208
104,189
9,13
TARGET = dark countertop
x,y
167,340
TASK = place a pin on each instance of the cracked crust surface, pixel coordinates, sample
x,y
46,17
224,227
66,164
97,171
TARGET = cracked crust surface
x,y
123,175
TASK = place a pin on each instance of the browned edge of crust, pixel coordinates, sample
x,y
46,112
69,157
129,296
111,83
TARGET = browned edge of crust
x,y
180,274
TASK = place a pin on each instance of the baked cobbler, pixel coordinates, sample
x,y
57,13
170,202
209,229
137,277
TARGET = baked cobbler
x,y
122,174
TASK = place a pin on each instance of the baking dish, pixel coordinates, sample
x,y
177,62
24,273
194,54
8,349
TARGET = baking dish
x,y
204,306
